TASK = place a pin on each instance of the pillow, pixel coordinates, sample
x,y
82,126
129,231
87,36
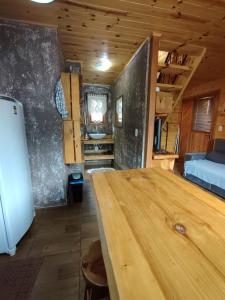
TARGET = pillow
x,y
216,156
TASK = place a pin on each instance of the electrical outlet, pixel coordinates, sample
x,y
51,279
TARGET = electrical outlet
x,y
136,132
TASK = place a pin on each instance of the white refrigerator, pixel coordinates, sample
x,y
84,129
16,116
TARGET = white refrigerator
x,y
16,203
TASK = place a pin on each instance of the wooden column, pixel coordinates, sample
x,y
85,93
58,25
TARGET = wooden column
x,y
153,69
71,126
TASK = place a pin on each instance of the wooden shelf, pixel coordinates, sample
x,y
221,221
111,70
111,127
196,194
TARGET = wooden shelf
x,y
161,114
165,87
98,157
173,69
165,156
95,142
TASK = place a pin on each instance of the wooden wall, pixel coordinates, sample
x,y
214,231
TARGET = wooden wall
x,y
216,85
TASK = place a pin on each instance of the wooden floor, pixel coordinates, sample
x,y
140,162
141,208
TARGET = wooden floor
x,y
59,235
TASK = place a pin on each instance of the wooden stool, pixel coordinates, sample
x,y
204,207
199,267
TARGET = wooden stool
x,y
93,269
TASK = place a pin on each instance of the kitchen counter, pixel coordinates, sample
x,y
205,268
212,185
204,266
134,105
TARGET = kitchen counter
x,y
162,237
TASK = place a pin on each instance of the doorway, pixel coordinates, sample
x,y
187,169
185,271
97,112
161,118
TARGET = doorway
x,y
197,123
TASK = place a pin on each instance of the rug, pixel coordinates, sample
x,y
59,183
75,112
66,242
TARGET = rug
x,y
100,170
17,278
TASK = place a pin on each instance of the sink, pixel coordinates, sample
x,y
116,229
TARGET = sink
x,y
97,136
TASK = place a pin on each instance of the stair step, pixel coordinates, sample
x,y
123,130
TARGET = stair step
x,y
165,87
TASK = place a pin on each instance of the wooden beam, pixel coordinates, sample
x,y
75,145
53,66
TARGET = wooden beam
x,y
153,68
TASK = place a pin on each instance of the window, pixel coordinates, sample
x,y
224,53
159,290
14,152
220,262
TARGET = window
x,y
203,111
97,107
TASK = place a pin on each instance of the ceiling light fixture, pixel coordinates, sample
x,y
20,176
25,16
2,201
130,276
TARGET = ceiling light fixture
x,y
43,1
104,64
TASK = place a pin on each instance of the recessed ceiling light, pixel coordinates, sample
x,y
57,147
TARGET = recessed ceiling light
x,y
43,1
104,64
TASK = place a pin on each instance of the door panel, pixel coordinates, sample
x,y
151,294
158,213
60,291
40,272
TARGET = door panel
x,y
186,124
199,141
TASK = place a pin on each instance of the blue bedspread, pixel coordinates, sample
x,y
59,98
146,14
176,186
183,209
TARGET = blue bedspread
x,y
206,170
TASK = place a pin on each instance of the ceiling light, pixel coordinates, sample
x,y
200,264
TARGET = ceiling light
x,y
43,1
104,64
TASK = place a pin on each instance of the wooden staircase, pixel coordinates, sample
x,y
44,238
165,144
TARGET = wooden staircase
x,y
184,74
166,101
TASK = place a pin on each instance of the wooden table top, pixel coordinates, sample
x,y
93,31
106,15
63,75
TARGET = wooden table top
x,y
162,237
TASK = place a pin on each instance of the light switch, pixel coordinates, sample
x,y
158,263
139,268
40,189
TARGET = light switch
x,y
220,128
136,132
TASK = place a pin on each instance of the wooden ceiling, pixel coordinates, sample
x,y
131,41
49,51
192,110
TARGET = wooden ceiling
x,y
90,28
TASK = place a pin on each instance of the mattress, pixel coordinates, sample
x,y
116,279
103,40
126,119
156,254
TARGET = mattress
x,y
206,170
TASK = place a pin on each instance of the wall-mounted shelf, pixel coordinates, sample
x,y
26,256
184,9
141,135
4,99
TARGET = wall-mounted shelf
x,y
98,157
96,142
165,87
173,69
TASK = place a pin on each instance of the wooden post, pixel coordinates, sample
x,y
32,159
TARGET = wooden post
x,y
153,69
75,95
69,153
71,127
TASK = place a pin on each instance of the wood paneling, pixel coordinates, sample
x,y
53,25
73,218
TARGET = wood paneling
x,y
69,154
75,96
77,142
207,88
72,131
186,124
90,28
199,141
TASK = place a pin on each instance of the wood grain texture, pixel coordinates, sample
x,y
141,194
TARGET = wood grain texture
x,y
75,96
186,125
89,28
99,142
163,237
72,131
77,142
68,142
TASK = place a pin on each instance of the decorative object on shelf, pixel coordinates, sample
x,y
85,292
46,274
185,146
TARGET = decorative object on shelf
x,y
119,112
164,103
60,100
173,57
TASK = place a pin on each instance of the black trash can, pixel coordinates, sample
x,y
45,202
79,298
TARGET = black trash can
x,y
75,187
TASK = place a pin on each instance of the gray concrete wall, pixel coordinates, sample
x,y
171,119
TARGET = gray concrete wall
x,y
30,64
133,86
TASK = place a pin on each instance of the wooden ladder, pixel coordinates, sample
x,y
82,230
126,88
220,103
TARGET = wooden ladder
x,y
184,74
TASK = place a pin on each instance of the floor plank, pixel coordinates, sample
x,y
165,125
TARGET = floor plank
x,y
61,236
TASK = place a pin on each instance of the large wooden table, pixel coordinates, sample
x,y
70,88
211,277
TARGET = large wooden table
x,y
162,237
